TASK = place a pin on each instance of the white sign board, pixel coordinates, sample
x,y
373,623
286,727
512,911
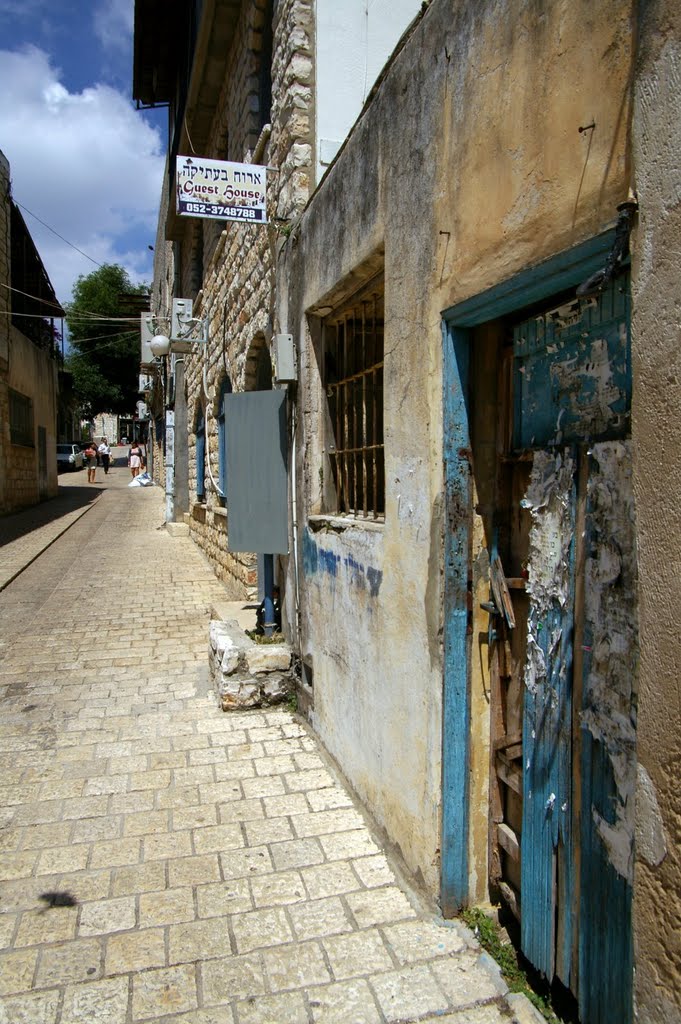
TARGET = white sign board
x,y
221,190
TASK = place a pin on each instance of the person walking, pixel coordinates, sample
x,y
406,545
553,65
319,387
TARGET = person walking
x,y
135,456
104,452
90,454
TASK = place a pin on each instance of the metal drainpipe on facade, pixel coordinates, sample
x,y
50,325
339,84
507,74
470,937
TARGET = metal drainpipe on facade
x,y
294,527
216,485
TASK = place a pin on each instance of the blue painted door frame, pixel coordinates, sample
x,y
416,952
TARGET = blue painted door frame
x,y
456,697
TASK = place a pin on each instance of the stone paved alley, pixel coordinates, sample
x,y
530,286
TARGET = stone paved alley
x,y
220,872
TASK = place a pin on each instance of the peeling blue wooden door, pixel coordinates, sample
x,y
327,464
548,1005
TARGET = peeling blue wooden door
x,y
573,390
547,877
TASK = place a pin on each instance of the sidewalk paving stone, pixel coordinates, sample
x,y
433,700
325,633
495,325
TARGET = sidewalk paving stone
x,y
219,871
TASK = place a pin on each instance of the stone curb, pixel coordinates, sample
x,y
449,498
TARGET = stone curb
x,y
523,1010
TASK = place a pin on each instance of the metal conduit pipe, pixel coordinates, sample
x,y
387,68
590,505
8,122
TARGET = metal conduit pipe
x,y
214,482
294,527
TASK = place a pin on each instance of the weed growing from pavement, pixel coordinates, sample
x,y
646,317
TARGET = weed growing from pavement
x,y
259,638
488,934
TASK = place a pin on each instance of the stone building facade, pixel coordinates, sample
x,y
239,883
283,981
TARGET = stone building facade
x,y
480,585
258,114
28,364
256,104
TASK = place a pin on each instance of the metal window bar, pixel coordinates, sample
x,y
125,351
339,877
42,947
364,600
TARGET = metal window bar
x,y
354,343
20,419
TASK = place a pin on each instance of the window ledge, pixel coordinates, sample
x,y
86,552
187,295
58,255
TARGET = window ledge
x,y
219,511
341,523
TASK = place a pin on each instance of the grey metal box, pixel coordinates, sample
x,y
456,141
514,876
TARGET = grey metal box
x,y
147,357
257,477
284,359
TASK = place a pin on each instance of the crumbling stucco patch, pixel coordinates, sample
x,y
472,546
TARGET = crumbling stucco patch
x,y
610,640
549,500
651,838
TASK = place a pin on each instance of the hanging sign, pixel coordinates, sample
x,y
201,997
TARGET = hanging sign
x,y
221,190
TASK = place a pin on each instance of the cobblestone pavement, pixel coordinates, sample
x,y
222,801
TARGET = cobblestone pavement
x,y
163,861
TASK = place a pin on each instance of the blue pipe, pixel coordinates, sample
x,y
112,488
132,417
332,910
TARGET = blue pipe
x,y
268,603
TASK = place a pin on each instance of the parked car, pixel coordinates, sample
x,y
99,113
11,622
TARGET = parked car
x,y
69,456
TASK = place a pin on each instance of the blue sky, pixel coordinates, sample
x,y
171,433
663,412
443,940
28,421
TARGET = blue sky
x,y
82,159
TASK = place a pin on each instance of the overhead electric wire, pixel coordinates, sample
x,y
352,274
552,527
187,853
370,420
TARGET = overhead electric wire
x,y
85,315
91,258
38,298
112,341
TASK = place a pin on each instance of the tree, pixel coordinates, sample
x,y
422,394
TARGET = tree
x,y
105,352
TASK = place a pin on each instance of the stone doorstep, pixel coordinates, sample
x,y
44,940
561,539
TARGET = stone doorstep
x,y
244,612
177,529
246,674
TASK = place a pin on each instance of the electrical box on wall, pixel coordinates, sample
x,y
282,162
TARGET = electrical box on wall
x,y
147,357
284,359
180,323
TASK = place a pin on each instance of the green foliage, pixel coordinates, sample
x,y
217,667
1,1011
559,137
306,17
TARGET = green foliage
x,y
104,359
488,935
260,638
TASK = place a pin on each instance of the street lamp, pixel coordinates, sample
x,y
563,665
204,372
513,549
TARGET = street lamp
x,y
160,345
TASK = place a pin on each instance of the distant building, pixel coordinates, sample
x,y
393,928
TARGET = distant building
x,y
29,363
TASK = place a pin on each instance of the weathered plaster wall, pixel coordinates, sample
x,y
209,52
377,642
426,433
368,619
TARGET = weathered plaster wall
x,y
467,167
657,482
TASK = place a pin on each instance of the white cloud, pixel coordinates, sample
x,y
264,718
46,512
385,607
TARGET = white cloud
x,y
113,21
85,163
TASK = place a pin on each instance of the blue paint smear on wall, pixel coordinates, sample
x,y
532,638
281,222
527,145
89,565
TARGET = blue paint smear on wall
x,y
317,559
375,577
355,570
328,562
310,560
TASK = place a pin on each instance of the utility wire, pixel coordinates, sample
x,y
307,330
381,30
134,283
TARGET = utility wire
x,y
84,315
81,320
92,260
46,302
110,341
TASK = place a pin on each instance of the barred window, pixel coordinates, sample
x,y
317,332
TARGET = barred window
x,y
20,419
353,370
